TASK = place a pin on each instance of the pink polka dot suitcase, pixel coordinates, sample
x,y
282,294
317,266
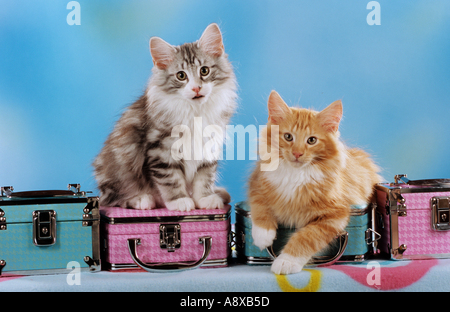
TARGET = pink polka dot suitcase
x,y
415,218
160,240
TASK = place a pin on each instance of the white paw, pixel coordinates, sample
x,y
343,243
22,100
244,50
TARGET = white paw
x,y
181,204
262,238
143,202
212,201
287,264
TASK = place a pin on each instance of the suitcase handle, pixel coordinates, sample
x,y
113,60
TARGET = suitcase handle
x,y
321,261
169,267
73,189
402,178
31,194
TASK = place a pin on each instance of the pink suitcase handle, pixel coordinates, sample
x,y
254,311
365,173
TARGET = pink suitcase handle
x,y
169,267
343,240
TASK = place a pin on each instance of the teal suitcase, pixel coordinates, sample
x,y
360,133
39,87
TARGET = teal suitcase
x,y
48,232
355,244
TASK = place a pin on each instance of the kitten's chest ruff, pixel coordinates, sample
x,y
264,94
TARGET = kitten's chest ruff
x,y
190,169
288,181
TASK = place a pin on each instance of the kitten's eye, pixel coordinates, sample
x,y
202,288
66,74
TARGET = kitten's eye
x,y
288,137
204,71
311,140
181,75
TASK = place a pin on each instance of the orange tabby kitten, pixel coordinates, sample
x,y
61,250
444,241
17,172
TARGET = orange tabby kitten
x,y
316,181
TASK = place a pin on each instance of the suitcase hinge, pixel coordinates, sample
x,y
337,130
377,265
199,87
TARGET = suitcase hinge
x,y
94,265
401,205
169,236
2,220
401,210
88,218
400,250
2,265
240,240
440,213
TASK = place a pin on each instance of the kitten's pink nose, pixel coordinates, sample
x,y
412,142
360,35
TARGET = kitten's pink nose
x,y
196,89
297,155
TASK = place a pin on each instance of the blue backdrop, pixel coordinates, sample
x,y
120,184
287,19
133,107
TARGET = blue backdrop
x,y
62,87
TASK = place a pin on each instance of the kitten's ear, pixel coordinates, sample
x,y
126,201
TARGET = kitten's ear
x,y
162,52
277,108
330,117
211,40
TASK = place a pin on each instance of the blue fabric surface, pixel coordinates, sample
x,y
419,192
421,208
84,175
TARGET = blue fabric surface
x,y
383,275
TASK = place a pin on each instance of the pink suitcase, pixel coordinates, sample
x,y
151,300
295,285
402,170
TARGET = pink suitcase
x,y
160,240
415,217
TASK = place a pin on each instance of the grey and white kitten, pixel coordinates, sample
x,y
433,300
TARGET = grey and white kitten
x,y
135,168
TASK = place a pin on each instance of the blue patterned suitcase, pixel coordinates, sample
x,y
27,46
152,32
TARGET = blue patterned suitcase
x,y
44,232
358,244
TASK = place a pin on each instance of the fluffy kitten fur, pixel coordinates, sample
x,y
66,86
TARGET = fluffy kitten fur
x,y
317,180
135,168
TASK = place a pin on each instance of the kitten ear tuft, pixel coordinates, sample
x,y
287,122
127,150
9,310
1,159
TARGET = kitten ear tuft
x,y
277,108
331,116
162,53
211,40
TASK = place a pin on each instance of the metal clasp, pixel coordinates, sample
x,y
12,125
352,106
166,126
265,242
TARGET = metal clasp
x,y
440,213
169,236
44,227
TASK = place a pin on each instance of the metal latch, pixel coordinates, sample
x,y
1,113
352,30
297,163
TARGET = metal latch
x,y
44,227
169,236
440,213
